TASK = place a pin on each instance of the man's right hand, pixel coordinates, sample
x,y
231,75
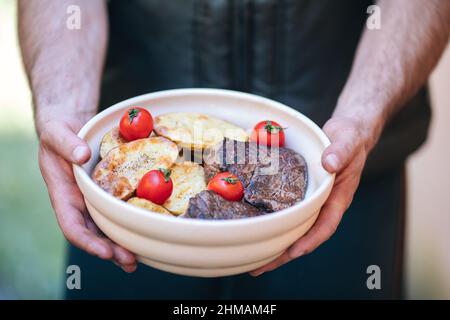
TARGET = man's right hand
x,y
59,148
64,68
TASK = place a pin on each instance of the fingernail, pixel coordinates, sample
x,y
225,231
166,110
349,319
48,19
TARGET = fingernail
x,y
293,254
256,274
332,161
129,268
79,153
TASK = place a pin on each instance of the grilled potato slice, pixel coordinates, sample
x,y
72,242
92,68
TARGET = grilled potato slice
x,y
110,140
188,179
121,170
196,130
148,205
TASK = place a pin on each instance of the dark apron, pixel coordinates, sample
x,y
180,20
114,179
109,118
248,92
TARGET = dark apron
x,y
296,52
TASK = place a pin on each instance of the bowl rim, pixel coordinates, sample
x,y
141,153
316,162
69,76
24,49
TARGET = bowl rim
x,y
80,173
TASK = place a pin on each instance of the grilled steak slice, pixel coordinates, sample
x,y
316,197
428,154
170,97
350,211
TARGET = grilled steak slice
x,y
273,178
211,170
238,157
209,205
281,188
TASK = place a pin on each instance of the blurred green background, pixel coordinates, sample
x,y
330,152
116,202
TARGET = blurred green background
x,y
31,245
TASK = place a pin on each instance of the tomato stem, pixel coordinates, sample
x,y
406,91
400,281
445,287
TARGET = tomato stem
x,y
133,113
269,127
230,180
166,173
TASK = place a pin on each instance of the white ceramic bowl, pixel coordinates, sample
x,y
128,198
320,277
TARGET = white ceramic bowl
x,y
208,248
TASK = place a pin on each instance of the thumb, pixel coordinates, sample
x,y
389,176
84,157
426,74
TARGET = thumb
x,y
345,142
61,138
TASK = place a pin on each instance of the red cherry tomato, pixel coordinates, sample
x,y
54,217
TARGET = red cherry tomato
x,y
136,123
155,186
227,185
269,133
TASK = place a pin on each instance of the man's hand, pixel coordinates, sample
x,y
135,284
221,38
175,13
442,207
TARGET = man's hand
x,y
345,156
64,68
59,148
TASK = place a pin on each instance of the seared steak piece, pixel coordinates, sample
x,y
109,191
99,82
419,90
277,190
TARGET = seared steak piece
x,y
273,178
281,187
238,157
209,205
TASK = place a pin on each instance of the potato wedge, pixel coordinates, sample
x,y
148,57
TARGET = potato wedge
x,y
148,205
188,179
196,130
110,140
121,170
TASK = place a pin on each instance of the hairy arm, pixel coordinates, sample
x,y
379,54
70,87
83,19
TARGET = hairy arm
x,y
390,65
64,68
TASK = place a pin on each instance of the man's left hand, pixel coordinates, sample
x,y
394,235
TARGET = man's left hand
x,y
345,156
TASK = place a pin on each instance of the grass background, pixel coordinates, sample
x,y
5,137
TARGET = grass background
x,y
31,245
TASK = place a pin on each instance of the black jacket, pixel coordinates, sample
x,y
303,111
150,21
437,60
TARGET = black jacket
x,y
298,52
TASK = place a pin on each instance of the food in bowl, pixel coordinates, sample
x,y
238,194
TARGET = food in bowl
x,y
196,130
273,178
120,171
110,140
205,247
210,205
136,123
227,185
148,205
267,132
236,178
188,180
155,186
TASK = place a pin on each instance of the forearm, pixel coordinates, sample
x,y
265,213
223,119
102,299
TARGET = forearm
x,y
64,66
392,63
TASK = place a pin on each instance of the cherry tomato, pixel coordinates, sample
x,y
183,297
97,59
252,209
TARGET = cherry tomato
x,y
136,123
269,133
155,186
227,185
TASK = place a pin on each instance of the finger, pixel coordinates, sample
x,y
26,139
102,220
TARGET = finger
x,y
278,262
127,268
60,137
121,256
83,232
325,226
78,235
124,258
72,224
322,230
327,222
68,203
345,143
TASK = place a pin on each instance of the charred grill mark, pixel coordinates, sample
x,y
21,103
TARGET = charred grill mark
x,y
280,189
